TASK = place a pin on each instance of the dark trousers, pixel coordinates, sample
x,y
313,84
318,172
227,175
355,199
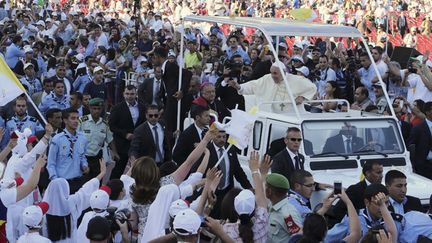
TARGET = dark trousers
x,y
216,213
76,183
93,164
120,166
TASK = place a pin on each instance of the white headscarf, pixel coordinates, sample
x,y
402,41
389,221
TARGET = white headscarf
x,y
57,196
158,214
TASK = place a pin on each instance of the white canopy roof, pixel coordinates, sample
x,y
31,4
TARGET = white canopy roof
x,y
281,27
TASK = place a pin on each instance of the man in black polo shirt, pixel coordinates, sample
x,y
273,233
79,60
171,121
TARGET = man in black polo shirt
x,y
97,88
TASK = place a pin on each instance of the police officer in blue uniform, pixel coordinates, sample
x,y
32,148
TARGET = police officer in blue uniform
x,y
375,214
56,99
21,120
66,157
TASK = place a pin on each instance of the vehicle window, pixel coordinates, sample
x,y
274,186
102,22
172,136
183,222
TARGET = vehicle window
x,y
352,137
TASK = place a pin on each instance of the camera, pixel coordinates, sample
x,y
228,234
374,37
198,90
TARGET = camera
x,y
122,215
411,69
235,68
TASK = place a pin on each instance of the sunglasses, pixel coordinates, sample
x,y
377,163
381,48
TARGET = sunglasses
x,y
153,115
295,139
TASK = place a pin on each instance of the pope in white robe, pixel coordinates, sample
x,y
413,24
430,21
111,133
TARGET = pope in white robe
x,y
271,87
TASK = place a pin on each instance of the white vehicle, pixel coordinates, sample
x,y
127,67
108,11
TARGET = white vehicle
x,y
324,162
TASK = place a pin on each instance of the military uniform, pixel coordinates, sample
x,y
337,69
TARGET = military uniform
x,y
98,134
52,101
284,221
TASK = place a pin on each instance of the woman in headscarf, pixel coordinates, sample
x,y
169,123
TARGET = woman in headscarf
x,y
64,211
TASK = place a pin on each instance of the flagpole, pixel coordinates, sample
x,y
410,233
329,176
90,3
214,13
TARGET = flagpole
x,y
223,155
36,108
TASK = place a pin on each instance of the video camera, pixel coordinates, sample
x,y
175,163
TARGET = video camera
x,y
121,215
235,68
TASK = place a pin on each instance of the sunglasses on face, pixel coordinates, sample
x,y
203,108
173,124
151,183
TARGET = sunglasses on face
x,y
295,139
153,115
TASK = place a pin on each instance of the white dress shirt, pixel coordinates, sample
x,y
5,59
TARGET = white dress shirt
x,y
156,90
134,111
161,138
226,164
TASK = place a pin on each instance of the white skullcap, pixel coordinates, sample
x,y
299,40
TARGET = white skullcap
x,y
279,64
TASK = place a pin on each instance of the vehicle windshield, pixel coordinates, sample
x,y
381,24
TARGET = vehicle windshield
x,y
353,137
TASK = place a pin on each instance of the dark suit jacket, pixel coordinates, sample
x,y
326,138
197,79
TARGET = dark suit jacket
x,y
336,144
229,96
120,123
145,93
262,68
355,193
399,22
406,130
143,143
283,164
412,204
170,79
235,169
185,144
421,139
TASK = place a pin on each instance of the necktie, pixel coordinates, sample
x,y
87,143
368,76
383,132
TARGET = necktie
x,y
157,90
72,140
348,146
223,169
297,162
158,151
204,131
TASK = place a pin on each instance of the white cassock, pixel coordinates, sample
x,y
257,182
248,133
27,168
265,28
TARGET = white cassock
x,y
33,237
266,90
21,164
82,229
63,204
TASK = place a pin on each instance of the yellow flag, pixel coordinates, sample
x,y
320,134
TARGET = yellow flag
x,y
10,86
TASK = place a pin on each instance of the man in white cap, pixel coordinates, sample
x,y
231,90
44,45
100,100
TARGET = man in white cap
x,y
27,29
97,88
30,80
32,218
271,87
28,58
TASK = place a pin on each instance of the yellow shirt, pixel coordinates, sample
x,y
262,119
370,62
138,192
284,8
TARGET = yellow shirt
x,y
191,59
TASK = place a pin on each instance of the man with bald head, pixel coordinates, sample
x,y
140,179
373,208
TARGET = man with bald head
x,y
271,87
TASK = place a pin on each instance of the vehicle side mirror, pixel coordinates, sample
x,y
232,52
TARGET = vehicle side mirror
x,y
257,134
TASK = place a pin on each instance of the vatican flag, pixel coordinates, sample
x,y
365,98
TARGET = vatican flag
x,y
10,86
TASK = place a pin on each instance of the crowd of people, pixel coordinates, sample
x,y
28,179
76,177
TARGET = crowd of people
x,y
112,163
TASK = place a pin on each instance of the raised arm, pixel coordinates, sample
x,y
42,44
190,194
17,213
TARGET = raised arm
x,y
354,221
180,174
254,166
30,185
380,199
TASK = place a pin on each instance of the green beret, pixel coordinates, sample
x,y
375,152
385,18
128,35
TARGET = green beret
x,y
278,181
96,102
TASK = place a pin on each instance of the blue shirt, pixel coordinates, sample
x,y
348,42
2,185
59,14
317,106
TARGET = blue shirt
x,y
80,82
64,162
415,224
42,65
300,203
341,230
12,55
33,85
52,101
240,51
5,139
27,122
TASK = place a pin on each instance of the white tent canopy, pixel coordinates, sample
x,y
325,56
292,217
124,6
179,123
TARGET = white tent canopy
x,y
281,27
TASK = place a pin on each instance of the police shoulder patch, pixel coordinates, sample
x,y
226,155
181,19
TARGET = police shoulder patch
x,y
84,118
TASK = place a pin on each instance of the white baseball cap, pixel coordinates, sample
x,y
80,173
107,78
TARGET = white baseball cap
x,y
28,65
171,53
40,22
244,202
177,206
297,57
100,199
187,222
298,45
304,70
48,20
28,48
32,215
80,57
97,69
282,44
